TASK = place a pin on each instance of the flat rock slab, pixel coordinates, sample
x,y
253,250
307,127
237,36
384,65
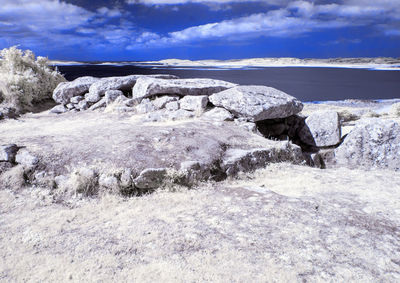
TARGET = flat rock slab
x,y
148,87
372,143
108,140
321,128
257,102
66,90
124,83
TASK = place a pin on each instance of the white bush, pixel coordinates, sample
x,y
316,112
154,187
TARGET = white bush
x,y
395,109
25,80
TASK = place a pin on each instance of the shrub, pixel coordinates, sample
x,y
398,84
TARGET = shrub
x,y
395,109
25,80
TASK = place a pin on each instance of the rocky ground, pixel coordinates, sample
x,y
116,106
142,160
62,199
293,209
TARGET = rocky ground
x,y
163,179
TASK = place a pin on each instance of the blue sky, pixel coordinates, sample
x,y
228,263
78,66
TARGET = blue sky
x,y
197,29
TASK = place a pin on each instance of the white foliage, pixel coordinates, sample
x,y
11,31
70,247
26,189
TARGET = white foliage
x,y
25,80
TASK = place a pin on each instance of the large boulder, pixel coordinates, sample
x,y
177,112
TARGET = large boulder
x,y
321,128
373,143
66,90
147,87
120,83
257,102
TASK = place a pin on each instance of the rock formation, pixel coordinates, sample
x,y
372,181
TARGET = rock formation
x,y
373,143
257,103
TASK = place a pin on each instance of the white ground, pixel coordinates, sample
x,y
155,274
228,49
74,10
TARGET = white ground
x,y
285,223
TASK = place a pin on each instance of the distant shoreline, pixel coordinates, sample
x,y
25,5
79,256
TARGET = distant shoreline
x,y
392,64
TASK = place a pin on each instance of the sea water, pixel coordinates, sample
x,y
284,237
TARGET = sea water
x,y
305,83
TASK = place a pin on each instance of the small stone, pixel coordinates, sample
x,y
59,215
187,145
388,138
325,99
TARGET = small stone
x,y
92,97
112,95
180,115
76,99
101,103
24,157
196,103
60,181
58,109
8,152
172,106
156,116
70,106
160,102
145,107
83,105
218,114
126,178
108,182
150,178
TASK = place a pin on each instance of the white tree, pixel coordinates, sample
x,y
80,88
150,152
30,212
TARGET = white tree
x,y
25,80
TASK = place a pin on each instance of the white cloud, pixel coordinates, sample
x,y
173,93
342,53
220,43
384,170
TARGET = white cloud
x,y
43,15
42,22
296,18
174,2
109,12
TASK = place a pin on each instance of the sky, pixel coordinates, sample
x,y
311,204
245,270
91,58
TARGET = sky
x,y
137,30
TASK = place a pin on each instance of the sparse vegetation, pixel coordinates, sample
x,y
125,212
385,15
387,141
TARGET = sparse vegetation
x,y
395,109
13,179
24,79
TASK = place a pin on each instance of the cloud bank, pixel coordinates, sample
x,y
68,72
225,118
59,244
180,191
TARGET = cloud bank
x,y
294,19
134,25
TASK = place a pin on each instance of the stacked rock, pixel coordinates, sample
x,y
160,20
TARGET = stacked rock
x,y
90,93
262,109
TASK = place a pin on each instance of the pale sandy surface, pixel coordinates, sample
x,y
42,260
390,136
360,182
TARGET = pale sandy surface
x,y
285,223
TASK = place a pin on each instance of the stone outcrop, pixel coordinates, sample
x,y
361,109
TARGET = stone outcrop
x,y
373,143
148,87
240,160
120,83
257,103
321,129
66,90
